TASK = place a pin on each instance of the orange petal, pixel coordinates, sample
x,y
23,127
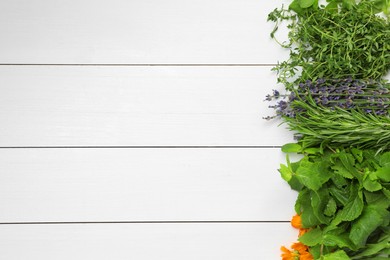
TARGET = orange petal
x,y
302,231
296,221
306,256
301,248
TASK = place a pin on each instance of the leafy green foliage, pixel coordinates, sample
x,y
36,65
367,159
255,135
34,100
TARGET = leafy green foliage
x,y
343,179
347,215
343,39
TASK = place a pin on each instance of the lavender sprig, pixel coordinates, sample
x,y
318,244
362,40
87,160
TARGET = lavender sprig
x,y
369,96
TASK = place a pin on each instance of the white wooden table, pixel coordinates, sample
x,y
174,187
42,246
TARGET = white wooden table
x,y
132,129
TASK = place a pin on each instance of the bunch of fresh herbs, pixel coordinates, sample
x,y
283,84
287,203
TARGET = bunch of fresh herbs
x,y
337,102
335,41
344,112
344,199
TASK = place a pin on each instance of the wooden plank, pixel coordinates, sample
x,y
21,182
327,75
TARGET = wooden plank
x,y
145,241
40,185
147,31
137,106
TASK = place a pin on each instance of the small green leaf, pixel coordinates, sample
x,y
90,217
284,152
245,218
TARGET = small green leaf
x,y
330,208
371,185
291,148
384,173
312,150
340,194
319,201
303,207
358,154
354,206
384,160
341,240
313,175
332,7
386,192
338,255
312,238
341,170
295,6
306,3
285,172
371,218
373,249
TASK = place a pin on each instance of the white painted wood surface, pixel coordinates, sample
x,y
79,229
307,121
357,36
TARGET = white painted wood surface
x,y
70,106
106,96
145,241
143,185
135,31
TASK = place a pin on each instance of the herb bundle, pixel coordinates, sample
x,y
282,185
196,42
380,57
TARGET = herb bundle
x,y
337,102
333,43
344,112
343,202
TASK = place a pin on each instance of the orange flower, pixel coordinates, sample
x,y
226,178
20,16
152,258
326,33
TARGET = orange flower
x,y
296,221
306,256
299,252
288,254
301,248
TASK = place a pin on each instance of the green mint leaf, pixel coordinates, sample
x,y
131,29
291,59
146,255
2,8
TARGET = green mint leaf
x,y
303,207
341,170
372,249
313,175
291,148
377,198
330,208
295,184
312,238
295,6
341,240
319,201
313,150
339,181
371,218
338,255
371,185
306,3
285,172
386,192
354,206
340,194
332,7
384,173
384,159
358,154
348,162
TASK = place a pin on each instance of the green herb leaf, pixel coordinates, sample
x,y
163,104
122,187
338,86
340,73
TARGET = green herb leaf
x,y
354,206
312,238
340,240
371,218
330,208
306,3
371,185
291,148
313,175
296,7
338,255
384,173
285,172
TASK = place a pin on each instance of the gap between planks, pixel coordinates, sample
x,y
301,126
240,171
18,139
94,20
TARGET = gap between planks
x,y
143,222
146,147
137,65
